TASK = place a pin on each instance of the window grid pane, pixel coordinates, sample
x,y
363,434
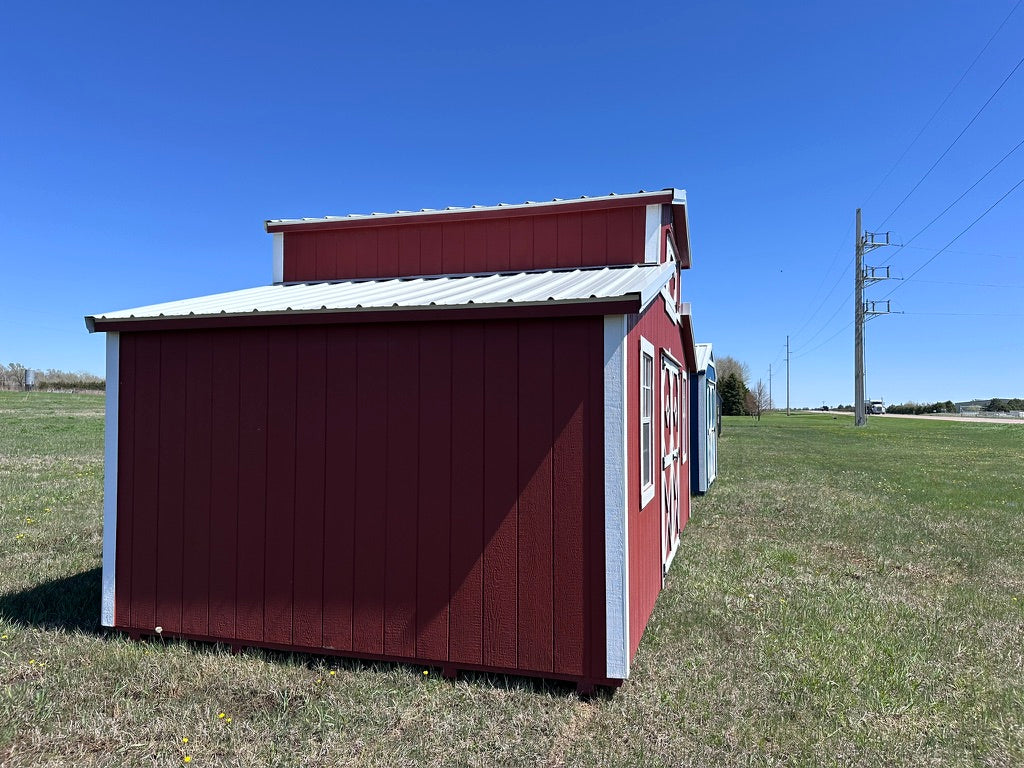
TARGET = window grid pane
x,y
646,411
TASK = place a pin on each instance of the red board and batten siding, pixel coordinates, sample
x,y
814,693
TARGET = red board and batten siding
x,y
427,491
398,249
645,524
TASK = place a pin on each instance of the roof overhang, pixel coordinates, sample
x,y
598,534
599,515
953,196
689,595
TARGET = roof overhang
x,y
681,225
676,197
686,332
555,293
705,356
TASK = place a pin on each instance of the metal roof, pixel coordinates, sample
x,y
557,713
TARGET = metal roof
x,y
641,282
704,356
675,196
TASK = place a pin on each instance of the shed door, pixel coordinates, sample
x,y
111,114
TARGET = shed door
x,y
671,458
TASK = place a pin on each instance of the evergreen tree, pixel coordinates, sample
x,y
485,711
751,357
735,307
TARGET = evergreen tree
x,y
734,394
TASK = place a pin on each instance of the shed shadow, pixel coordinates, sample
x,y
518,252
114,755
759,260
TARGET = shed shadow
x,y
71,603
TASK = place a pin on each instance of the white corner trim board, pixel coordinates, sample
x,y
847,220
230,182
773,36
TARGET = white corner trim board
x,y
278,257
110,480
652,235
616,529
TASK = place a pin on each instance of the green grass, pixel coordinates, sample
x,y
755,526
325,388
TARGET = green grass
x,y
842,597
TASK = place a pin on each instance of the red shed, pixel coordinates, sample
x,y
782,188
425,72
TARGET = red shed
x,y
454,438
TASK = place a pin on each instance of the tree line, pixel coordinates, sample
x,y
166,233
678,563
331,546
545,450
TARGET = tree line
x,y
915,409
995,405
19,377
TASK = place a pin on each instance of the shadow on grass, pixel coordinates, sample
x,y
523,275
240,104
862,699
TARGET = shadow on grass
x,y
493,680
71,603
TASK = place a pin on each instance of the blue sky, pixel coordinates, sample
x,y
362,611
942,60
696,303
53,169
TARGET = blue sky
x,y
141,148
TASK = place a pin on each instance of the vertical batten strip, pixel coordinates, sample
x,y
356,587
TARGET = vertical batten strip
x,y
616,532
110,479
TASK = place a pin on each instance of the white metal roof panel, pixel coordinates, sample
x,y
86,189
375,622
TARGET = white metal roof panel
x,y
677,196
481,291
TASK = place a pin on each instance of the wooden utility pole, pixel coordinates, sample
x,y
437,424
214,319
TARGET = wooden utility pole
x,y
769,386
860,418
787,375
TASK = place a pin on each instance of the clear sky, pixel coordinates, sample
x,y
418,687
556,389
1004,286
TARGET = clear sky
x,y
142,146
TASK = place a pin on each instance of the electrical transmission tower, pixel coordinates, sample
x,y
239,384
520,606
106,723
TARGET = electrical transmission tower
x,y
865,243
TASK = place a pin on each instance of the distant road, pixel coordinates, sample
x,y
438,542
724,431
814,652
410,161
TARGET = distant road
x,y
947,417
932,416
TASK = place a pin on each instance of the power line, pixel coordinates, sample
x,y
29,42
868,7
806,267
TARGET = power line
x,y
952,143
965,253
962,233
939,108
965,285
964,314
824,276
961,197
822,344
842,305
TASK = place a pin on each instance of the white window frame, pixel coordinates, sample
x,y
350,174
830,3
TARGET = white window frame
x,y
647,485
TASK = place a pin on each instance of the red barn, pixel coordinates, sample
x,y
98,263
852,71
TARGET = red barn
x,y
451,437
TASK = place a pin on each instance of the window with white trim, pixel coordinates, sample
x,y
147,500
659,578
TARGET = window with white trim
x,y
646,422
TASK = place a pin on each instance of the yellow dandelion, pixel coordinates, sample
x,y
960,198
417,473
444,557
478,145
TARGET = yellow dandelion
x,y
184,739
221,715
334,673
187,758
228,720
31,661
426,671
4,637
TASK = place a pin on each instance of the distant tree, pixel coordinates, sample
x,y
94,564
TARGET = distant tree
x,y
14,375
1015,404
726,366
733,393
757,400
997,404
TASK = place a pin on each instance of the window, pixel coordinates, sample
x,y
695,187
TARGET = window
x,y
646,421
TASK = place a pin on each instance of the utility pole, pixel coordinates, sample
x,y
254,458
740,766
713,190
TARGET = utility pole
x,y
769,386
866,241
859,417
787,375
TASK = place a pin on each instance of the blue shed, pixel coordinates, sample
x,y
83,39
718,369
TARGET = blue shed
x,y
704,424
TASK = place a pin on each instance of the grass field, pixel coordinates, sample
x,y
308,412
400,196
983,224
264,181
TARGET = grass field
x,y
842,597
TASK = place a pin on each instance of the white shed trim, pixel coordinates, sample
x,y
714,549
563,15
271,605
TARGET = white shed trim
x,y
652,235
278,257
616,510
110,480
